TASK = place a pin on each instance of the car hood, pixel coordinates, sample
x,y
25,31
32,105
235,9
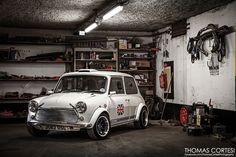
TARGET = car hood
x,y
65,99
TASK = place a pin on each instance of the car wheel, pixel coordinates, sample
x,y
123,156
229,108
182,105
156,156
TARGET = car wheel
x,y
143,119
35,132
101,128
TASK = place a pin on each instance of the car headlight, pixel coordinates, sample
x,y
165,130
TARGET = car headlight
x,y
33,106
81,107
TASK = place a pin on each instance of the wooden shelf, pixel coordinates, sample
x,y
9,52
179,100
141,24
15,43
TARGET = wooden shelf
x,y
136,70
95,60
106,69
139,50
102,69
33,43
13,117
146,85
14,101
94,50
25,61
136,58
28,79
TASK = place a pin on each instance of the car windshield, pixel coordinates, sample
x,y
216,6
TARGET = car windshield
x,y
82,83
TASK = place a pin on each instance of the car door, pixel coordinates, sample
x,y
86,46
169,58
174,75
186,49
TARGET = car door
x,y
132,97
118,108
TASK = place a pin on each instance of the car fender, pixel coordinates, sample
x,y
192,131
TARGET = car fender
x,y
95,116
138,110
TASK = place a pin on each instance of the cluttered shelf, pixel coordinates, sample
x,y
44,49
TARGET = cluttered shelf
x,y
27,61
96,60
130,70
14,100
86,50
33,43
28,79
100,69
9,114
5,76
132,50
137,58
147,85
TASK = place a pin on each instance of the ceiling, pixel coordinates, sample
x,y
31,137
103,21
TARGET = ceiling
x,y
138,15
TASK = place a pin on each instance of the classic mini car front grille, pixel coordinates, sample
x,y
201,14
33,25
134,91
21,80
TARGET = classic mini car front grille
x,y
56,115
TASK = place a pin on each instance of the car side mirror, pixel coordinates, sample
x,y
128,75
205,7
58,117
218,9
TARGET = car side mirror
x,y
112,92
50,92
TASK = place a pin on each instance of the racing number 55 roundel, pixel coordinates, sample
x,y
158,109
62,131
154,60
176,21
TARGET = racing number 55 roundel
x,y
120,109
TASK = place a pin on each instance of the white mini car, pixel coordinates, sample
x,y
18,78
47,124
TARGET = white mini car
x,y
91,100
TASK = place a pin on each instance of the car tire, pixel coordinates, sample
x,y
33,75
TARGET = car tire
x,y
101,128
143,119
35,132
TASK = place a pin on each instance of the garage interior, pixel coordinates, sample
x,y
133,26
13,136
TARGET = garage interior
x,y
181,53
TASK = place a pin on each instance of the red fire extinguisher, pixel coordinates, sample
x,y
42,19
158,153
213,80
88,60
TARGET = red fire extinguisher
x,y
163,80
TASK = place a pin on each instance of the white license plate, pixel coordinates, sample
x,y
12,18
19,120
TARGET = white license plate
x,y
57,127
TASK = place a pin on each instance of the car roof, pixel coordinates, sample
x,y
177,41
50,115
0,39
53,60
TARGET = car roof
x,y
99,73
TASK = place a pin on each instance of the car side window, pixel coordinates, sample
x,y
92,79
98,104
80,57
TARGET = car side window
x,y
130,86
117,85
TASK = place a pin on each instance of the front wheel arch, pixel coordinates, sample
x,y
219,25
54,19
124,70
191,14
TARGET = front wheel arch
x,y
95,116
101,128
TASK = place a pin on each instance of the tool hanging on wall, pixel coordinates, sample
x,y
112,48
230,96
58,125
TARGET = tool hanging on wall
x,y
196,44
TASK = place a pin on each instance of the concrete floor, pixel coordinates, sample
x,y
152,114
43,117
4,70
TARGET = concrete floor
x,y
123,141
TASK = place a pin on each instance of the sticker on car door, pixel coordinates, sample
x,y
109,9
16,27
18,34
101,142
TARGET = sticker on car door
x,y
120,109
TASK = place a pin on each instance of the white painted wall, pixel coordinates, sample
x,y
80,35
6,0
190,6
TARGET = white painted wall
x,y
193,82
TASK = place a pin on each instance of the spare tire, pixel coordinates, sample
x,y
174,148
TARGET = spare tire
x,y
157,108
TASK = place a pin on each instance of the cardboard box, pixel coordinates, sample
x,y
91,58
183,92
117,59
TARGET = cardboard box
x,y
122,44
132,63
149,92
145,64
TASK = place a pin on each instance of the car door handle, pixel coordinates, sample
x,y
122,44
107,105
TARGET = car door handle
x,y
127,100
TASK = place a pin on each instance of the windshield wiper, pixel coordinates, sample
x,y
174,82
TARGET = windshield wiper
x,y
71,90
94,91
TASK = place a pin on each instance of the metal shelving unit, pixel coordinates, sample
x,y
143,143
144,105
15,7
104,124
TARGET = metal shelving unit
x,y
28,79
126,56
85,58
19,104
27,61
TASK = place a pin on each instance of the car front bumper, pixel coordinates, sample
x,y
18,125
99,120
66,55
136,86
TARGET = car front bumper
x,y
58,126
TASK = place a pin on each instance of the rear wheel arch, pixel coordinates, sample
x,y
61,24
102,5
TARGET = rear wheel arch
x,y
138,110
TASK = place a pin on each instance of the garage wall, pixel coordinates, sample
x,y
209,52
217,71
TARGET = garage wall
x,y
193,82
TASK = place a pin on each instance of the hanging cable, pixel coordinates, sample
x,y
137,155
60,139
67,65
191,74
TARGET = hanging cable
x,y
196,44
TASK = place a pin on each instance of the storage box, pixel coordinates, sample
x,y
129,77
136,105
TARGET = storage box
x,y
122,44
132,63
145,64
149,92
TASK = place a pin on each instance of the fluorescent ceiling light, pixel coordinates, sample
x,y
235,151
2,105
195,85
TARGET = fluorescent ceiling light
x,y
82,33
112,12
90,27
